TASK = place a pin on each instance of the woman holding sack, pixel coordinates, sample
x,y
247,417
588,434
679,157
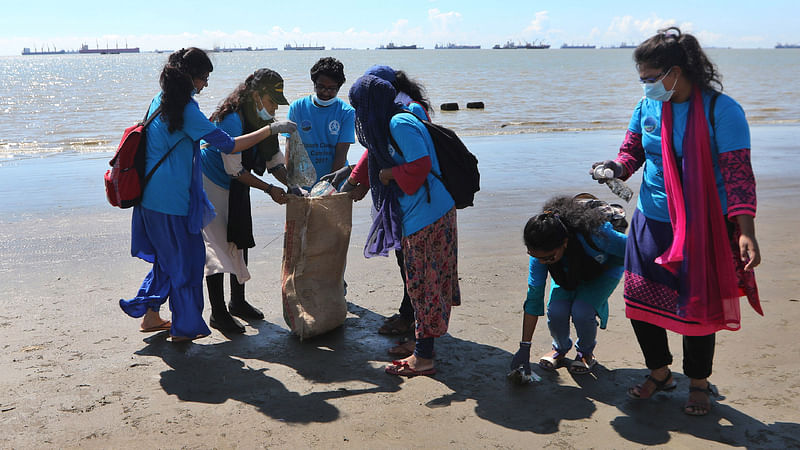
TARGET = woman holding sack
x,y
401,184
692,245
166,226
227,179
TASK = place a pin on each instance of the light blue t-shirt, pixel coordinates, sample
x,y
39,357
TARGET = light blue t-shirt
x,y
321,128
732,133
415,143
213,168
168,190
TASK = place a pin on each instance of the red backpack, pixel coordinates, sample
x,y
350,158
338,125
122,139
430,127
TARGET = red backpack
x,y
126,179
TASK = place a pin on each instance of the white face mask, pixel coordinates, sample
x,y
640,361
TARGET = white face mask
x,y
323,102
262,112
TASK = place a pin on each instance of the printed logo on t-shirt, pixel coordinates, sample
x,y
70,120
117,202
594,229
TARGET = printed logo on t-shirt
x,y
650,124
333,127
305,125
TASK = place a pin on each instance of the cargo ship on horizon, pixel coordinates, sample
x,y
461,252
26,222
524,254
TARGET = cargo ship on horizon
x,y
391,46
27,51
108,51
509,45
303,47
451,46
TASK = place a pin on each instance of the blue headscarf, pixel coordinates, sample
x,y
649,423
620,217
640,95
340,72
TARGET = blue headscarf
x,y
385,72
373,100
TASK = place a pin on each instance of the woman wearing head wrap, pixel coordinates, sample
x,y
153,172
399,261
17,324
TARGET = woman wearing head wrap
x,y
166,226
413,213
692,243
227,179
411,95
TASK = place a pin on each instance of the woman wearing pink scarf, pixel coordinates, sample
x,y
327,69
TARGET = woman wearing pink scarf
x,y
691,247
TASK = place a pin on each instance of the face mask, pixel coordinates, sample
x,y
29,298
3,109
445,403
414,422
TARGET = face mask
x,y
262,112
656,91
323,102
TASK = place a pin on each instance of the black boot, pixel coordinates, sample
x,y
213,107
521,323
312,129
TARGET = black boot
x,y
238,306
220,317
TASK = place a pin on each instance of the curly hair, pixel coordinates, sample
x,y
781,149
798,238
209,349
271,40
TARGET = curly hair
x,y
414,90
669,47
242,95
561,217
176,81
331,68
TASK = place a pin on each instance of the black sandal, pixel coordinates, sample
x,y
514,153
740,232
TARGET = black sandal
x,y
660,385
396,325
695,408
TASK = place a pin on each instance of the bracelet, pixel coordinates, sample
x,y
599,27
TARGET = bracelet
x,y
268,190
528,343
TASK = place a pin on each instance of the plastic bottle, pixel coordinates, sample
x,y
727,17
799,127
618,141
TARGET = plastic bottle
x,y
617,186
322,188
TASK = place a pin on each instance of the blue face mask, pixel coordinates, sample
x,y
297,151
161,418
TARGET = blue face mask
x,y
262,112
323,102
656,90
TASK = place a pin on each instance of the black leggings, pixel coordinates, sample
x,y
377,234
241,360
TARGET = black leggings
x,y
698,351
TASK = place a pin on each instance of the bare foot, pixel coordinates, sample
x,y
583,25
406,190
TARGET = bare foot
x,y
152,319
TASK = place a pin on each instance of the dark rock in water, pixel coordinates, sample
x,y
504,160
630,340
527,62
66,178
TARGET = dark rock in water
x,y
475,105
449,106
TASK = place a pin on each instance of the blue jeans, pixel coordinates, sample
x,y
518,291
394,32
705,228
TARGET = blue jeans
x,y
583,315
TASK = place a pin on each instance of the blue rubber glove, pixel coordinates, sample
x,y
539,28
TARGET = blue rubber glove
x,y
522,358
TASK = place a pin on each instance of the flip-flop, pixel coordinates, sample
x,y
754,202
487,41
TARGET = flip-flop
x,y
404,370
163,326
400,350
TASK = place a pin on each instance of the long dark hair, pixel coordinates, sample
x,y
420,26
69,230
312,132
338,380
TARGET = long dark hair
x,y
561,218
669,47
176,81
402,83
243,94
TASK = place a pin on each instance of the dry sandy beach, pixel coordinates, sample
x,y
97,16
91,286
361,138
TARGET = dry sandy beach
x,y
76,372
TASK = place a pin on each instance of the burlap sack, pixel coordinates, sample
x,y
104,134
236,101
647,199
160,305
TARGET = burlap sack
x,y
315,245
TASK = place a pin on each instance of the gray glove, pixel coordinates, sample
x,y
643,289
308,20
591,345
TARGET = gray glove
x,y
286,126
522,358
335,178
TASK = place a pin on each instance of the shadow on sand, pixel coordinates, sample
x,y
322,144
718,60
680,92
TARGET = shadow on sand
x,y
215,373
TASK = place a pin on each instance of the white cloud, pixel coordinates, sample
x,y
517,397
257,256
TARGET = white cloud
x,y
443,22
537,24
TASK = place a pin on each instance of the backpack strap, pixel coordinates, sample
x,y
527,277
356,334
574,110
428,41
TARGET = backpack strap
x,y
153,170
397,147
145,122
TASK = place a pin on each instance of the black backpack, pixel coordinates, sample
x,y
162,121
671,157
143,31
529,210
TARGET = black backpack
x,y
458,165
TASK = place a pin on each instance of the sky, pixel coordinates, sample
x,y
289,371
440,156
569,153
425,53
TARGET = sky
x,y
170,24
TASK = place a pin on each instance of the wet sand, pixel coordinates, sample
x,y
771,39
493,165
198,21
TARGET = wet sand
x,y
76,372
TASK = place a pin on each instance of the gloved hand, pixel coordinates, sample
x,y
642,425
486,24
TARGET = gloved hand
x,y
347,186
602,169
522,358
298,191
286,126
335,178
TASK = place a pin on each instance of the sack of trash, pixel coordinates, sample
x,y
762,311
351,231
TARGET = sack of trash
x,y
315,243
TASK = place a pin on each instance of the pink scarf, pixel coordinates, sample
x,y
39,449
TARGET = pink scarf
x,y
700,246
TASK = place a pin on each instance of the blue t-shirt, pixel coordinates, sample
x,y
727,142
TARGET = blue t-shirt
x,y
321,128
213,167
168,190
732,133
612,252
415,143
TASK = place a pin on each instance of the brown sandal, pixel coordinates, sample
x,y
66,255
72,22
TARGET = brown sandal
x,y
667,384
396,325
